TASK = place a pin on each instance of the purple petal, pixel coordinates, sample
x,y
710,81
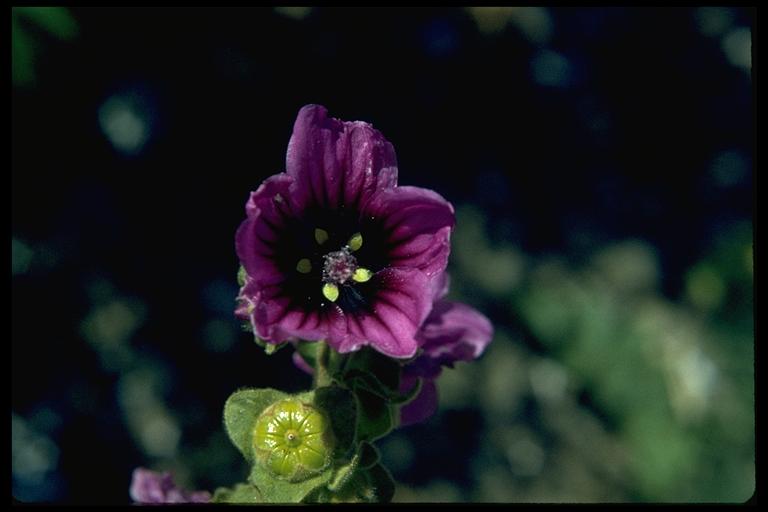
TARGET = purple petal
x,y
337,163
276,319
401,304
454,332
267,210
441,283
333,164
425,367
153,487
276,187
421,407
419,223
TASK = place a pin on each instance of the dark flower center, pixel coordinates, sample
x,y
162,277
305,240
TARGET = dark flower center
x,y
339,266
331,257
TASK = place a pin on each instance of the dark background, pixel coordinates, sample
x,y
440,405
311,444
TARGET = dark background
x,y
601,164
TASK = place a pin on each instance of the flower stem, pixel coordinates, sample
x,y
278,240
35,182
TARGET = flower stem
x,y
322,375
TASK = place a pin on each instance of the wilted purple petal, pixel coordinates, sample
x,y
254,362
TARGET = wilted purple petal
x,y
335,162
270,196
418,222
440,286
256,236
421,407
454,332
152,487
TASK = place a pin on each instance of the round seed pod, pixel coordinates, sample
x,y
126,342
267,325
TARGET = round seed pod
x,y
293,440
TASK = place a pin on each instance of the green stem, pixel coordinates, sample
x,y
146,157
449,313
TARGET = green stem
x,y
323,355
345,363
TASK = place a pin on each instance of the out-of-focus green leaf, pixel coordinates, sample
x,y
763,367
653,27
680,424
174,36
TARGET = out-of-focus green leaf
x,y
22,55
55,20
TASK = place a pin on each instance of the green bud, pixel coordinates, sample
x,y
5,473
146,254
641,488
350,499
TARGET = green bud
x,y
293,440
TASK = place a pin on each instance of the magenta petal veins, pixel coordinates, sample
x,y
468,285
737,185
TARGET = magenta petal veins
x,y
333,249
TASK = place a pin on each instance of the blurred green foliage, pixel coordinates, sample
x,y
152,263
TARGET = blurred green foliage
x,y
29,28
670,408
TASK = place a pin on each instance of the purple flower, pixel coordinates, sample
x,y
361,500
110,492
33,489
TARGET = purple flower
x,y
452,332
333,249
152,487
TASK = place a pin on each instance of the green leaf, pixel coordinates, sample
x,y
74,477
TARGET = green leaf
x,y
381,486
22,55
56,20
242,493
373,485
274,490
343,474
411,394
366,457
369,455
358,378
341,408
385,369
241,410
375,418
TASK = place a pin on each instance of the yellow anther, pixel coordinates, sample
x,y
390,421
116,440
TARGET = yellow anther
x,y
355,242
362,275
331,291
304,266
321,236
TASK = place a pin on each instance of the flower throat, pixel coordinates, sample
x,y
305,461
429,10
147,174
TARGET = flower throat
x,y
339,267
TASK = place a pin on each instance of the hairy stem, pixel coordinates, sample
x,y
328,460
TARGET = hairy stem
x,y
322,374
